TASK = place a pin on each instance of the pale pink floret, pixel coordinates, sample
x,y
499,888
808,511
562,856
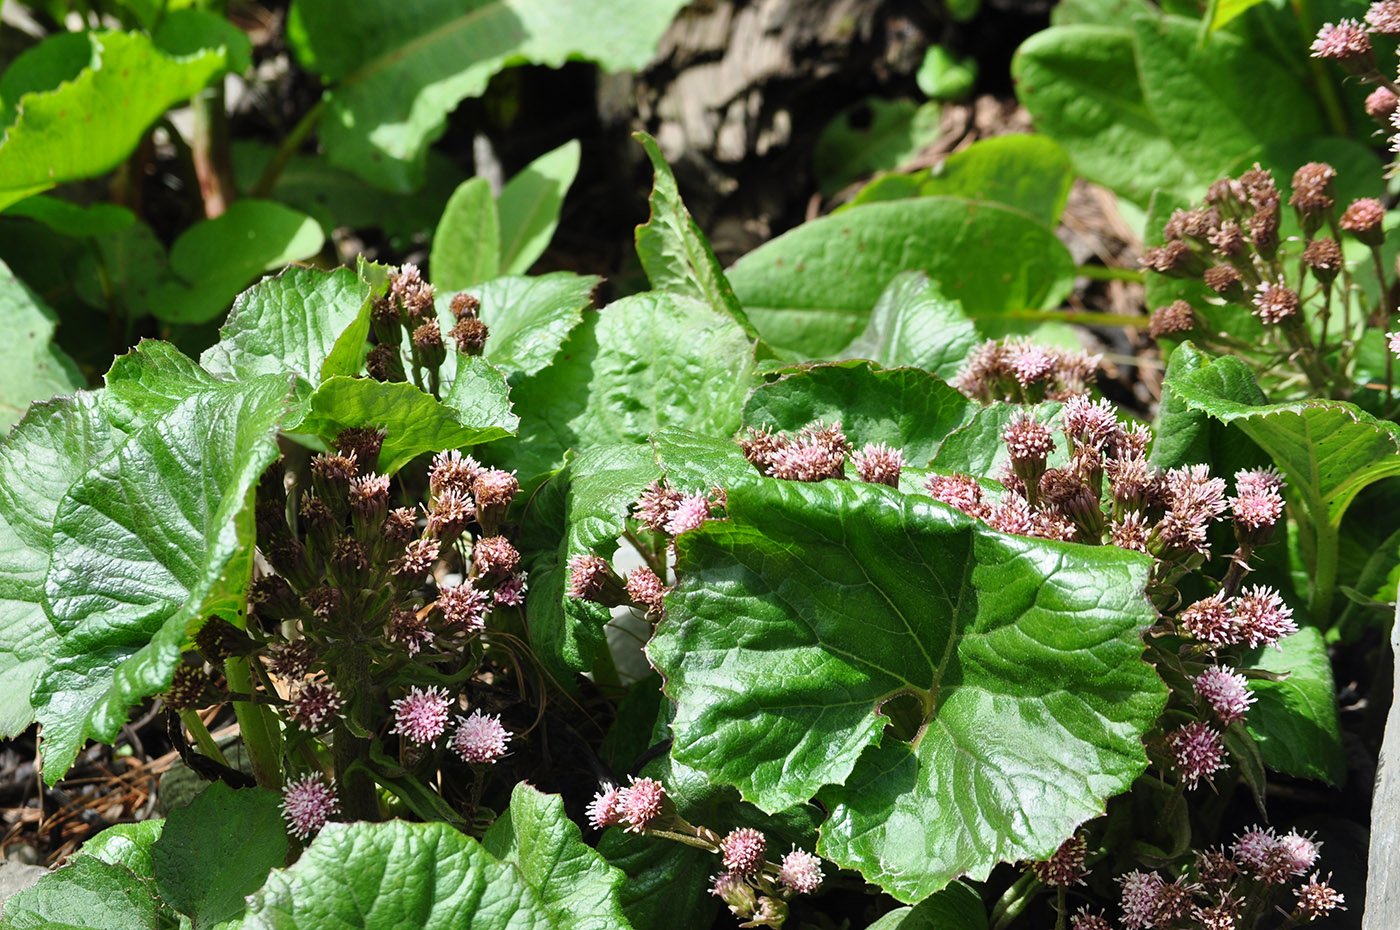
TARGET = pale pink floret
x,y
480,739
641,803
1254,847
1140,896
1342,41
743,850
1263,617
313,704
1393,343
1299,852
1225,691
307,804
801,871
691,511
606,808
421,716
1197,752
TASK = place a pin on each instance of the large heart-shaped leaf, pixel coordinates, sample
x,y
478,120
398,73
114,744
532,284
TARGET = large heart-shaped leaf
x,y
642,363
71,115
906,408
31,366
396,72
145,534
914,325
298,321
818,614
378,876
811,289
1294,721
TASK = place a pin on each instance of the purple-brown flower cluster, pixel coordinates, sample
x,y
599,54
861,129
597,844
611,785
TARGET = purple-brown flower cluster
x,y
1017,370
409,337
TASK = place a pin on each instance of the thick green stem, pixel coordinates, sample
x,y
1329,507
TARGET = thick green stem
x,y
358,798
1326,540
258,726
1015,900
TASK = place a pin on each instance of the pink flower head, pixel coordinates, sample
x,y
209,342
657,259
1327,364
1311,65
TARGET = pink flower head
x,y
1258,503
1012,515
1090,423
641,803
1318,898
1065,866
1211,621
646,589
744,850
1299,853
1083,920
1197,752
464,606
606,808
877,463
691,511
511,593
653,508
588,575
1226,692
1026,439
307,804
961,492
421,716
409,630
1392,342
480,739
313,704
1029,362
1346,40
1263,617
1254,847
494,487
1384,17
494,555
1139,897
1276,302
453,470
800,871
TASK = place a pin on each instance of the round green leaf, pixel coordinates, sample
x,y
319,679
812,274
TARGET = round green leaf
x,y
1021,693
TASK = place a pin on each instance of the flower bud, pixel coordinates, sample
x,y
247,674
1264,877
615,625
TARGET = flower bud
x,y
365,442
383,364
428,349
1380,104
465,306
1324,257
470,335
1347,43
493,490
218,640
1313,194
331,476
189,688
1176,317
384,317
591,578
1364,219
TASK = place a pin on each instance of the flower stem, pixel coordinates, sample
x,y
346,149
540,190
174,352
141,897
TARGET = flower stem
x,y
202,737
258,726
291,143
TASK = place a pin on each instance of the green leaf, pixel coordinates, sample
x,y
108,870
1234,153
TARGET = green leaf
x,y
88,894
545,846
943,77
914,325
1017,663
957,907
873,135
1294,721
413,421
467,243
692,462
811,290
1082,88
529,206
71,219
664,878
147,539
394,75
1030,173
673,251
1219,98
585,504
45,454
905,408
294,322
128,845
216,258
127,269
89,124
31,366
528,318
379,876
190,31
218,849
1328,450
640,364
